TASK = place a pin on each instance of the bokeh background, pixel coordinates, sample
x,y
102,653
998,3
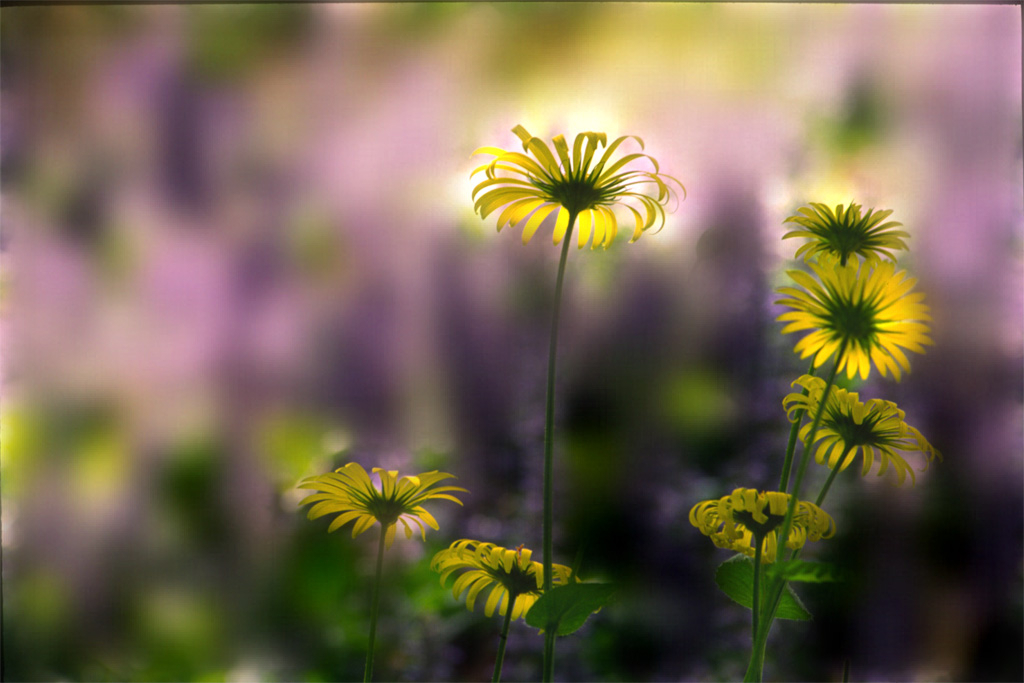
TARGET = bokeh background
x,y
238,248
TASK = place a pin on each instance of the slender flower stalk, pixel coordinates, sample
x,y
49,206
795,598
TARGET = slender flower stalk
x,y
812,433
374,609
831,478
756,666
755,603
350,493
582,186
796,418
499,660
843,428
549,447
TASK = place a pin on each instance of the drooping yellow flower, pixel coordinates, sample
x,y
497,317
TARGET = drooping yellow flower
x,y
867,309
350,491
873,429
571,183
731,522
508,572
843,233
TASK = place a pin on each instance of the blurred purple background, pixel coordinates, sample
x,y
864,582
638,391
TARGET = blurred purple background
x,y
238,240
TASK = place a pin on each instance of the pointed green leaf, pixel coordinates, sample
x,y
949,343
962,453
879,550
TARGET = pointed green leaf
x,y
568,606
807,572
735,577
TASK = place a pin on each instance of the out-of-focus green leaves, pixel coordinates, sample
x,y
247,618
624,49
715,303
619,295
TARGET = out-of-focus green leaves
x,y
181,630
314,245
864,118
190,493
43,597
21,435
227,41
298,444
699,402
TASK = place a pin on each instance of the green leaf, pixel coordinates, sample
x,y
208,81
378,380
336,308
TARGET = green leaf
x,y
807,572
568,606
735,577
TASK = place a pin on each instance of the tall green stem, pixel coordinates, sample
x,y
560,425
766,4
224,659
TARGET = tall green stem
x,y
756,602
549,442
503,639
805,455
549,655
756,665
375,603
755,668
832,476
756,660
791,444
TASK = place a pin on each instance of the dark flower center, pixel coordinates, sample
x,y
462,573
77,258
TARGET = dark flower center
x,y
846,239
758,528
864,434
575,194
386,511
516,580
853,321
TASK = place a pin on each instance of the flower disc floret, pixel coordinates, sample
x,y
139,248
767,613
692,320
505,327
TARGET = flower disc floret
x,y
868,310
732,522
506,572
876,429
580,184
350,492
844,233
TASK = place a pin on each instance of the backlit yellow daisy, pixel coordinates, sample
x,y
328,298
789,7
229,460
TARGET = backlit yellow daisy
x,y
868,310
507,572
873,429
350,491
843,233
732,521
572,184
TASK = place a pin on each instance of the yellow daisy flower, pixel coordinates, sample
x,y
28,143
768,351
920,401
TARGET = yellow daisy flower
x,y
349,490
843,233
873,429
573,185
868,310
509,572
731,522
